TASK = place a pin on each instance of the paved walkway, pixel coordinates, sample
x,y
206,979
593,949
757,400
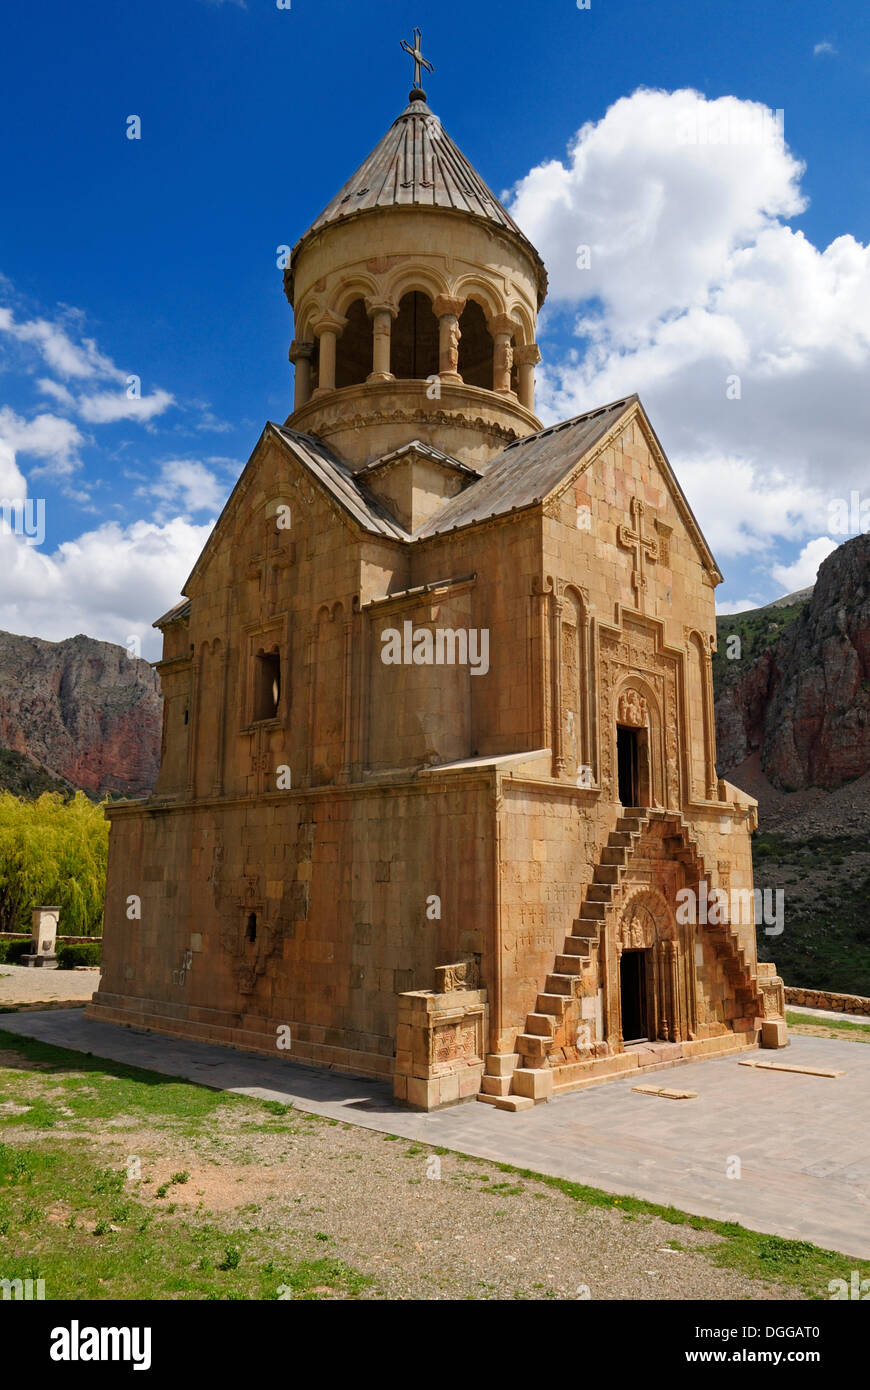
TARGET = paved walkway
x,y
803,1142
25,984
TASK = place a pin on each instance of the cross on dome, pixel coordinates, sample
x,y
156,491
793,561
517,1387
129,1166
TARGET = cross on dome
x,y
419,63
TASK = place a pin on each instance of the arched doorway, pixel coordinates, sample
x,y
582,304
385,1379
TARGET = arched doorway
x,y
634,775
653,993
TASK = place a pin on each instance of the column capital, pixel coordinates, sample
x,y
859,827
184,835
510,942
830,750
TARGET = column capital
x,y
503,323
329,322
300,352
382,306
443,304
528,356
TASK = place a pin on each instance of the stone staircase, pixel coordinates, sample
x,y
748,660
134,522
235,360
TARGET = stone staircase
x,y
547,1059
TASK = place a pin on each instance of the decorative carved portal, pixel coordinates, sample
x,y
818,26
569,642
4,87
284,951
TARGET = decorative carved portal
x,y
648,989
633,750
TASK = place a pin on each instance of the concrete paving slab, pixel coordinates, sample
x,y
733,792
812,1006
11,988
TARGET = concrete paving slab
x,y
23,984
801,1143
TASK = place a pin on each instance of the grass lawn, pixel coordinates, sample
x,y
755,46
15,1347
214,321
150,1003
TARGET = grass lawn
x,y
828,1027
121,1183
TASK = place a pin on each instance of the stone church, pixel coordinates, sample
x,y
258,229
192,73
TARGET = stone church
x,y
438,799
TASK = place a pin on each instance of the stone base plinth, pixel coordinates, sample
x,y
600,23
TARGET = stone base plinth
x,y
40,962
440,1044
774,1032
247,1033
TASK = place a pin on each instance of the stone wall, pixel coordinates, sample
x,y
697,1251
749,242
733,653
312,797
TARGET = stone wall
x,y
311,912
823,999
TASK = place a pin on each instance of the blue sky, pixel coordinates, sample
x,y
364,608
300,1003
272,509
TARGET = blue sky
x,y
157,257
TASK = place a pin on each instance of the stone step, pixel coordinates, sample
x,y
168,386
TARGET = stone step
x,y
568,965
614,854
606,873
496,1085
577,945
629,824
507,1102
619,839
561,986
541,1025
581,927
554,1004
599,893
501,1063
532,1045
534,1082
592,912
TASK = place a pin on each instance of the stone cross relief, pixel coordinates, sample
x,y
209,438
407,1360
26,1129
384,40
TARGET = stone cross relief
x,y
644,547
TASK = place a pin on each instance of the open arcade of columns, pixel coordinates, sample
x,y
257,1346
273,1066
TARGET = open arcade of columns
x,y
501,328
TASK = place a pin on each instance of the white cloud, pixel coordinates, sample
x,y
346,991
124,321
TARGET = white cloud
x,y
740,605
46,436
187,486
803,572
108,583
13,484
57,391
824,48
78,362
106,407
749,346
70,360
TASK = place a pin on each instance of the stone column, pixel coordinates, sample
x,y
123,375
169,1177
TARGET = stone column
x,y
502,329
448,311
382,315
328,331
300,355
527,358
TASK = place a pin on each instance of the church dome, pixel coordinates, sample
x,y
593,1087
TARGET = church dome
x,y
417,164
415,297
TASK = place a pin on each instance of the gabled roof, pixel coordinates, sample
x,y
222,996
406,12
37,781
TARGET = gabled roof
x,y
531,469
522,475
416,164
354,498
527,470
177,614
424,450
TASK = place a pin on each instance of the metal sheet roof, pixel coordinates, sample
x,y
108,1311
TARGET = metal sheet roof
x,y
526,471
416,164
354,496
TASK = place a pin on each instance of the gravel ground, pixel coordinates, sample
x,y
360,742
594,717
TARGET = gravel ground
x,y
421,1225
34,988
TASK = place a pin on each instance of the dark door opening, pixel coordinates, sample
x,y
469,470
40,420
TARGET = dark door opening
x,y
632,985
627,762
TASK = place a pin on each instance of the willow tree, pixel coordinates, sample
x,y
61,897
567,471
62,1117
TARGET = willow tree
x,y
52,852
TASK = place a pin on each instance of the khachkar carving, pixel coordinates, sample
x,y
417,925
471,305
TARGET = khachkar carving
x,y
771,991
463,974
644,547
644,920
631,709
455,1042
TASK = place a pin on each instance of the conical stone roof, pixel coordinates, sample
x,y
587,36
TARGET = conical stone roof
x,y
416,164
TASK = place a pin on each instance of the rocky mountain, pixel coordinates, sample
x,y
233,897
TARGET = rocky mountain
x,y
80,710
797,691
793,730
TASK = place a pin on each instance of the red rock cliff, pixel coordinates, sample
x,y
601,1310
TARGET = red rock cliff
x,y
804,703
82,709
